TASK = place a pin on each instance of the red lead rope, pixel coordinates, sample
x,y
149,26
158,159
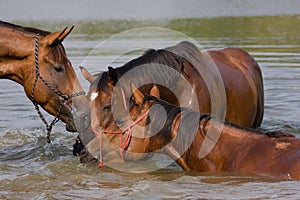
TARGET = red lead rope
x,y
128,137
122,145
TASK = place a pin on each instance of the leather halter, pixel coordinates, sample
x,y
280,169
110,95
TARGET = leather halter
x,y
56,91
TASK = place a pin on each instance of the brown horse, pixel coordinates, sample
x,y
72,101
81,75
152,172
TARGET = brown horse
x,y
37,60
182,136
243,100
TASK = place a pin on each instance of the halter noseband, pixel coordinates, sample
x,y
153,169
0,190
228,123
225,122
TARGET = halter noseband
x,y
56,91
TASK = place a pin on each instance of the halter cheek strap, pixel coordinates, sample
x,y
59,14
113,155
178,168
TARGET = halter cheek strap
x,y
124,99
57,92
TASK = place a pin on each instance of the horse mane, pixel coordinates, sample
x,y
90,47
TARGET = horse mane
x,y
171,110
190,121
151,57
24,29
101,81
189,124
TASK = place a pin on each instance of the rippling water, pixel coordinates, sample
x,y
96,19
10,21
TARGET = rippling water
x,y
32,169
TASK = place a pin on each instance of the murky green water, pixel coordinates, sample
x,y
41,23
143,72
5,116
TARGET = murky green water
x,y
32,169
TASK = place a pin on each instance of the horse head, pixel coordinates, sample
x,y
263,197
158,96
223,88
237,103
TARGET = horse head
x,y
120,126
100,96
37,60
58,90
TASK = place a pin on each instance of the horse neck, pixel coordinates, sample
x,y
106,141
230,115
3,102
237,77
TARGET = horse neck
x,y
16,48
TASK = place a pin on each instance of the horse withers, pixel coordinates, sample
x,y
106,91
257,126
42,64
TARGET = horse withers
x,y
37,60
182,134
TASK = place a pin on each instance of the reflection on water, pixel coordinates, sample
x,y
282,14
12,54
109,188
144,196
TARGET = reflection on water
x,y
33,169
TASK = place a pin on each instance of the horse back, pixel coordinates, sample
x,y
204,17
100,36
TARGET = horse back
x,y
243,82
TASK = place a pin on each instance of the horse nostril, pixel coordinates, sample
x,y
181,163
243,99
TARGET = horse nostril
x,y
86,120
83,152
119,122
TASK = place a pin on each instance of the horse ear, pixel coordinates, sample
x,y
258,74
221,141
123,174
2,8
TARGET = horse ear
x,y
155,91
137,94
112,75
57,37
87,75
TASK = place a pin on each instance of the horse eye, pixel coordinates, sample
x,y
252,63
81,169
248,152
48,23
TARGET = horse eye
x,y
59,68
107,108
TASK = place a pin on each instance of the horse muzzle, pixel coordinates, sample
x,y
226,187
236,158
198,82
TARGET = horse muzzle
x,y
80,118
80,150
79,147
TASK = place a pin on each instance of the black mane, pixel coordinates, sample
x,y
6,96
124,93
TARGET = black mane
x,y
191,119
24,29
155,58
101,81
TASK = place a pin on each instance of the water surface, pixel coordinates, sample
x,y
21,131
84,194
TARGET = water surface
x,y
32,169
